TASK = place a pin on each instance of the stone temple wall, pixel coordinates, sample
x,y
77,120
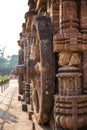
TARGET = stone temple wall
x,y
53,62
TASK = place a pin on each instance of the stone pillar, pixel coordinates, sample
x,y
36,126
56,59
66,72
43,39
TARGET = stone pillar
x,y
83,16
69,76
69,18
55,16
83,30
27,92
69,106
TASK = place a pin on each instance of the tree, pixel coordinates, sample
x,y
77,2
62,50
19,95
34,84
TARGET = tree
x,y
13,61
2,50
7,64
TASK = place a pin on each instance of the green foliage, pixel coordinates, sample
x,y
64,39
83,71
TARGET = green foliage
x,y
7,64
13,61
4,80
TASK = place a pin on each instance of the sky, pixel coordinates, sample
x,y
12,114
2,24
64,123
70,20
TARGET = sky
x,y
11,18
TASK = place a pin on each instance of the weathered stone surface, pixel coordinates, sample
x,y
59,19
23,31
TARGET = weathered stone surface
x,y
75,59
70,44
55,32
64,58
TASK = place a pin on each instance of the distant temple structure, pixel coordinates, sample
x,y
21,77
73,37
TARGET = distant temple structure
x,y
52,66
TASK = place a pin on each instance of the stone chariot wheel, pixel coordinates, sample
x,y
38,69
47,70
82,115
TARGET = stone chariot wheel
x,y
42,54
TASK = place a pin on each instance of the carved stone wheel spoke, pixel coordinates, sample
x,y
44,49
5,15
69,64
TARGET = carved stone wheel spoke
x,y
44,79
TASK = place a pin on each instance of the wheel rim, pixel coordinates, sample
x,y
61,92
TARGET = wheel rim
x,y
44,78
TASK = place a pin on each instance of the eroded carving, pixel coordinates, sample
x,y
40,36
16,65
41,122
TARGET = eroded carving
x,y
55,32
